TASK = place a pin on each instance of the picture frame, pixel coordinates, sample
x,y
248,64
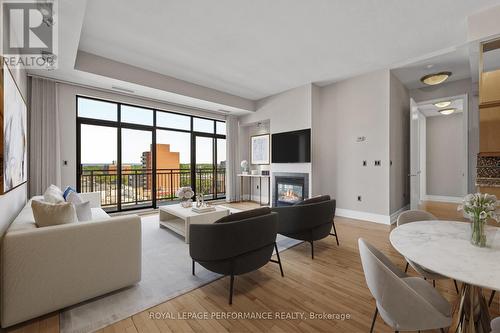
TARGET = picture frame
x,y
260,146
13,132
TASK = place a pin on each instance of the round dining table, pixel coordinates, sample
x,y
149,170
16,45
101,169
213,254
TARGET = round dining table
x,y
445,248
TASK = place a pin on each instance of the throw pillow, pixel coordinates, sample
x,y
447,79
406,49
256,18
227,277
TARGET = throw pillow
x,y
67,191
83,211
48,214
53,194
245,215
74,198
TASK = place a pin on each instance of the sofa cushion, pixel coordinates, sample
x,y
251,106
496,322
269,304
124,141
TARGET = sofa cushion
x,y
48,214
99,214
319,198
74,198
67,191
83,211
53,194
245,215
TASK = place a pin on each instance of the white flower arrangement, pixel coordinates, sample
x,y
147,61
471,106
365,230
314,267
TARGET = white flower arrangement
x,y
185,193
480,206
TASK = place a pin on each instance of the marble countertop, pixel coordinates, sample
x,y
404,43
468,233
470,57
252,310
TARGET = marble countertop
x,y
444,247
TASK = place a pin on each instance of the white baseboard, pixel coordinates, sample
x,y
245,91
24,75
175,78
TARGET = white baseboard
x,y
371,217
394,216
442,198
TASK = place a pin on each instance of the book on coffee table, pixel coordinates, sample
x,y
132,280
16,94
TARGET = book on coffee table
x,y
203,209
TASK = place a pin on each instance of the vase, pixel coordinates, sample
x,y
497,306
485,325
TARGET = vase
x,y
187,203
478,235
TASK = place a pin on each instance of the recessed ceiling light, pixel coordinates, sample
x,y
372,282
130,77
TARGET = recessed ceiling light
x,y
436,78
442,104
447,111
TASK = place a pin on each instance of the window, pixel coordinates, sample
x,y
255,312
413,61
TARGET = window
x,y
172,120
203,125
220,127
96,109
135,115
134,162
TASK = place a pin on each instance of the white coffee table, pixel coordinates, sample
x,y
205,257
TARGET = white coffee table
x,y
177,218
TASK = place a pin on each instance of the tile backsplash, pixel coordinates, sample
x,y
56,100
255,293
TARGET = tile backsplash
x,y
488,167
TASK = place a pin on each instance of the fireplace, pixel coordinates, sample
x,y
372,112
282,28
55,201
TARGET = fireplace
x,y
289,189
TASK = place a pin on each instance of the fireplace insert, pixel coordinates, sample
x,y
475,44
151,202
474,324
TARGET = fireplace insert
x,y
289,190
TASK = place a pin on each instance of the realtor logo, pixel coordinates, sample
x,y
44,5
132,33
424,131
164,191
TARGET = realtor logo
x,y
29,36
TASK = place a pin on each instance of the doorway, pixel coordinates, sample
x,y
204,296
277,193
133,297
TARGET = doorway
x,y
439,150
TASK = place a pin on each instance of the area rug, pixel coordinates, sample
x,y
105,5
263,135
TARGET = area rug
x,y
166,273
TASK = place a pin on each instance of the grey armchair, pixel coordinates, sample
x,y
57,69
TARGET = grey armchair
x,y
410,216
404,303
236,244
309,220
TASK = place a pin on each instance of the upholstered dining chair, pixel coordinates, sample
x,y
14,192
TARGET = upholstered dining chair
x,y
404,303
235,244
309,220
414,216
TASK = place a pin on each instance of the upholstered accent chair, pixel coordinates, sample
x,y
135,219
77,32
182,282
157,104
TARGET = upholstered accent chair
x,y
410,216
405,303
235,244
309,220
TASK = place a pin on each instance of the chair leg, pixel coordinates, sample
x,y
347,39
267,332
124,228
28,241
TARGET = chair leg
x,y
434,283
374,319
279,260
335,233
193,267
456,286
406,268
312,249
231,283
491,297
442,330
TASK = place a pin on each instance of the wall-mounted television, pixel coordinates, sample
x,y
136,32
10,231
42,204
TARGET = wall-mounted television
x,y
292,147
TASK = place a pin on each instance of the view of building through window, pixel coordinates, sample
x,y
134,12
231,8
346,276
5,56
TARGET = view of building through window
x,y
137,157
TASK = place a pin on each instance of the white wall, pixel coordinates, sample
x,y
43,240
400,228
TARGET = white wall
x,y
67,112
12,202
347,110
445,155
399,144
456,88
287,111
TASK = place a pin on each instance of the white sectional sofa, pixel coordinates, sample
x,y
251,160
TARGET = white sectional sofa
x,y
50,268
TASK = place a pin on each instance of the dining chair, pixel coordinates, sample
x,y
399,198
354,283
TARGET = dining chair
x,y
415,216
405,303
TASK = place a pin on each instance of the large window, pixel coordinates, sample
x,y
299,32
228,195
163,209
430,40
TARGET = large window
x,y
138,157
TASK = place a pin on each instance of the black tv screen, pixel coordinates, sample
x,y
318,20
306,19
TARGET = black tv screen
x,y
292,147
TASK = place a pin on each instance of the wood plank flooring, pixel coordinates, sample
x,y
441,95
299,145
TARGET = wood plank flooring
x,y
332,283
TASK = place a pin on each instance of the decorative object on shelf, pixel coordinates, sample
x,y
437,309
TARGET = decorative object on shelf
x,y
13,132
255,172
264,172
479,208
260,149
185,194
244,167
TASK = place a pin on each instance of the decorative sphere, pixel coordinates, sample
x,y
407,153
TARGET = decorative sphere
x,y
244,164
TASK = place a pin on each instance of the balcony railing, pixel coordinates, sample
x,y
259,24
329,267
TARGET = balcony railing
x,y
137,185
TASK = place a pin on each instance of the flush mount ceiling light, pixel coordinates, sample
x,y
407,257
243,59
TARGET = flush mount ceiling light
x,y
436,78
447,111
442,104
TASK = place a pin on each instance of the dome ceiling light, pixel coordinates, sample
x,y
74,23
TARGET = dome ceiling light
x,y
443,104
447,112
436,78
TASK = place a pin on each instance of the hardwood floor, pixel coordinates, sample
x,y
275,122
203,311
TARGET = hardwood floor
x,y
332,283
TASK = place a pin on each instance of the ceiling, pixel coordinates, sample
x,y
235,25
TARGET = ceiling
x,y
455,60
257,48
430,110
